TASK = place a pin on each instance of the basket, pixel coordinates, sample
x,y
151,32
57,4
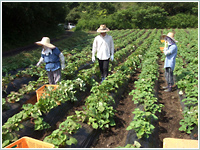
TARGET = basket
x,y
161,48
40,91
27,142
179,143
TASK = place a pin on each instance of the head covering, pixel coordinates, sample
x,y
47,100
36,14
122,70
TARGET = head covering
x,y
169,35
103,28
45,42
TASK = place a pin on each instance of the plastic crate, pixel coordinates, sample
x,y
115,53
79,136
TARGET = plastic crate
x,y
179,143
40,91
161,48
27,142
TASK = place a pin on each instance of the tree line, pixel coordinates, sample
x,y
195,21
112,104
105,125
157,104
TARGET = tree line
x,y
23,22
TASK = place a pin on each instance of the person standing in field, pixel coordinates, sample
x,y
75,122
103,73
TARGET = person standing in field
x,y
104,47
53,58
170,59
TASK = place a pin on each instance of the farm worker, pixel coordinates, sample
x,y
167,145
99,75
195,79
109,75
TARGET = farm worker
x,y
53,58
104,46
170,59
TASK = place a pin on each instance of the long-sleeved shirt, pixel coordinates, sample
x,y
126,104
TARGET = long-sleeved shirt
x,y
104,47
170,59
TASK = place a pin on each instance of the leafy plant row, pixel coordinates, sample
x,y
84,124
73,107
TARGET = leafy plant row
x,y
98,110
186,72
37,71
19,119
74,58
144,94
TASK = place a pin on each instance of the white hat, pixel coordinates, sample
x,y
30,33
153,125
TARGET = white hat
x,y
46,42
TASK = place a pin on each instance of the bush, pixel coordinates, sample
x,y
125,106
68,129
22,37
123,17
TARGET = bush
x,y
183,21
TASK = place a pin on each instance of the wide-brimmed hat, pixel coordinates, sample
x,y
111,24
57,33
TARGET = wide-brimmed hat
x,y
169,35
46,42
103,28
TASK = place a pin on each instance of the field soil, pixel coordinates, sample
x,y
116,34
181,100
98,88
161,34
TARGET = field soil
x,y
168,123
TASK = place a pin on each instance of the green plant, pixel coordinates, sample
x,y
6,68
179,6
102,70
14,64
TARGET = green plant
x,y
190,119
135,145
60,139
141,123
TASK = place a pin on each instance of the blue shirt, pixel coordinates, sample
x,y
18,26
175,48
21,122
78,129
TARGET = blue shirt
x,y
170,58
52,60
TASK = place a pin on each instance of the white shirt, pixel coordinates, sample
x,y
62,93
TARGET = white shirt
x,y
104,47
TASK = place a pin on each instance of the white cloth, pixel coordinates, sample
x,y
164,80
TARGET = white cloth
x,y
62,60
104,47
46,51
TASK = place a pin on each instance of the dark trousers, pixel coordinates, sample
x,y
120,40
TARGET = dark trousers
x,y
169,76
54,76
103,65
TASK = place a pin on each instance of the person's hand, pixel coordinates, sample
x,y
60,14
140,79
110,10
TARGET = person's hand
x,y
62,66
112,57
38,64
93,58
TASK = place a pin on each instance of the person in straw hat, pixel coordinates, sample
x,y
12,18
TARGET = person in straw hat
x,y
104,47
170,59
53,58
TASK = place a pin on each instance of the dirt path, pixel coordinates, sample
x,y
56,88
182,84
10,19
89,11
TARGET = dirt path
x,y
171,113
168,120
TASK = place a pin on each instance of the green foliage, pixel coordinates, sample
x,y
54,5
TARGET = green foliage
x,y
183,21
26,22
141,123
135,145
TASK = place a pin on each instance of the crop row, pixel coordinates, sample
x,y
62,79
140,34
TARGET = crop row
x,y
186,73
7,131
98,110
144,93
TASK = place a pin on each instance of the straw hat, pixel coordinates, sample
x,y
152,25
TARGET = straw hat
x,y
169,35
103,28
46,42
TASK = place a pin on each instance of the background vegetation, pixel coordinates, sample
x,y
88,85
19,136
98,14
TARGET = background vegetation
x,y
26,22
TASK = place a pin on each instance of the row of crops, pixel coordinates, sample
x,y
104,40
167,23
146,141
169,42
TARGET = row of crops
x,y
134,49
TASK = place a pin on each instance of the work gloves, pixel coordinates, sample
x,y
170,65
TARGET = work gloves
x,y
166,51
93,58
112,57
62,61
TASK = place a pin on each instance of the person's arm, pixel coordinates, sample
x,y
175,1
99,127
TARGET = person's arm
x,y
171,50
40,61
94,49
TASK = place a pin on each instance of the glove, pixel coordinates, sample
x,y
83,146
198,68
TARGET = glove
x,y
62,66
112,57
93,58
166,52
40,61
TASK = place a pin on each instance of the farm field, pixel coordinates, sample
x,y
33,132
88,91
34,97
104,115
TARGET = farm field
x,y
128,106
